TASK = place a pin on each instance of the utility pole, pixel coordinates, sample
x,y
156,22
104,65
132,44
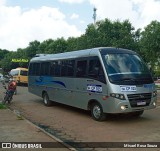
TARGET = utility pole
x,y
94,15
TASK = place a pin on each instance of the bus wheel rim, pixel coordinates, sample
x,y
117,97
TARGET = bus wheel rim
x,y
45,99
96,111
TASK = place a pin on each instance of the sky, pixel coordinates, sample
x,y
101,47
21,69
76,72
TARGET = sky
x,y
23,21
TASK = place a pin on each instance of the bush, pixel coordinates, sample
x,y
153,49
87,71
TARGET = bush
x,y
2,106
157,73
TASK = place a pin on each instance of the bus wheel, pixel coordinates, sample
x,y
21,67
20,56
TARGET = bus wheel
x,y
46,100
97,112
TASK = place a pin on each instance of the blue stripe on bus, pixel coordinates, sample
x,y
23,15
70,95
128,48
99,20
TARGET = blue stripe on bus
x,y
47,80
59,82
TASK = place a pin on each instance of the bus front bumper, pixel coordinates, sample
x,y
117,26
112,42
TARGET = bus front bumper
x,y
125,106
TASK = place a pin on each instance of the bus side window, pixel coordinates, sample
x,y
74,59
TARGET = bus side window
x,y
96,71
81,68
64,69
45,68
71,64
34,69
52,68
57,68
30,69
37,69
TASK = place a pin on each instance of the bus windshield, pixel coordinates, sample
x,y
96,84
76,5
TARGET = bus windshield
x,y
126,69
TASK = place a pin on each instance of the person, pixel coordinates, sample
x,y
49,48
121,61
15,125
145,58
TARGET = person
x,y
12,86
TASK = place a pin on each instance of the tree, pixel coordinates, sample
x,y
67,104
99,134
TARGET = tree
x,y
112,34
44,46
72,44
150,43
7,63
32,49
3,53
91,37
57,46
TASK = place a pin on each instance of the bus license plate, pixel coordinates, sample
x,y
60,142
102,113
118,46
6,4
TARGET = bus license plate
x,y
141,103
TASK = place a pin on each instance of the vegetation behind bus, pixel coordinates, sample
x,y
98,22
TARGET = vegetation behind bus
x,y
106,33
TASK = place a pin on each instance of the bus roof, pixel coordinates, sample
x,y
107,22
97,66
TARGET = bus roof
x,y
80,53
19,68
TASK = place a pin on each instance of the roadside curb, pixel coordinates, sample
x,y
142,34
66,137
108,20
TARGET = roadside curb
x,y
52,136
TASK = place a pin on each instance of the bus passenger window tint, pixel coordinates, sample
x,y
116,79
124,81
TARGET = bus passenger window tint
x,y
96,70
81,68
64,68
37,69
34,69
70,66
94,66
57,68
45,68
52,68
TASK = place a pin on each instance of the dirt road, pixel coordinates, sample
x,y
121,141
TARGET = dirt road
x,y
69,123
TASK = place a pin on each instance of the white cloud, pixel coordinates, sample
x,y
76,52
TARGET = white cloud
x,y
74,16
82,22
139,12
72,1
148,11
2,2
18,28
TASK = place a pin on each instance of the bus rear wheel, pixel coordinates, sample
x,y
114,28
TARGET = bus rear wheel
x,y
46,100
97,112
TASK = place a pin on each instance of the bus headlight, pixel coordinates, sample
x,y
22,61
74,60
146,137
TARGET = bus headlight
x,y
118,96
154,103
123,108
154,93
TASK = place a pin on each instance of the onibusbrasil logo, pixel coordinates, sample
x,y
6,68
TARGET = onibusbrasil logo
x,y
19,60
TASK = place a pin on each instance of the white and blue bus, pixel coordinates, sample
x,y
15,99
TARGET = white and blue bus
x,y
102,80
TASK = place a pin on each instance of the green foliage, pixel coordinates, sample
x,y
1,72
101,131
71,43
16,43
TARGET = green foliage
x,y
2,106
104,33
150,43
57,46
72,44
112,34
3,53
32,49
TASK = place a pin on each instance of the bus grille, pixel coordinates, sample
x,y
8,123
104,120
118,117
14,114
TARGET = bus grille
x,y
139,100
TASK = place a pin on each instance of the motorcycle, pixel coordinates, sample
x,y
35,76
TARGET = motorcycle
x,y
8,95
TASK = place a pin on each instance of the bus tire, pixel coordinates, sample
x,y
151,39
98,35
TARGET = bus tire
x,y
46,100
97,112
